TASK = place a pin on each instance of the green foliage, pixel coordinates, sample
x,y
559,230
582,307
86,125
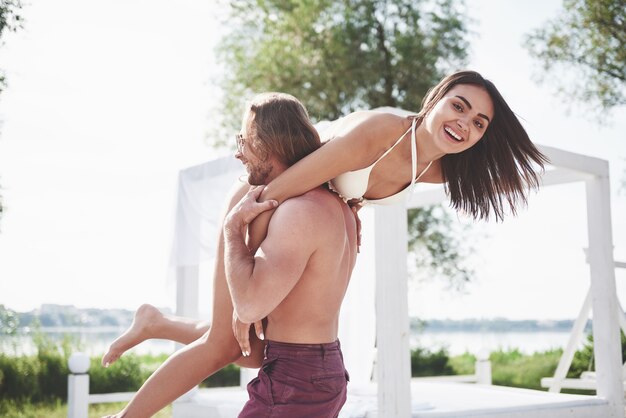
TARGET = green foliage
x,y
435,245
339,56
125,375
9,320
43,377
10,20
583,359
588,42
228,376
463,364
430,363
512,368
57,409
19,378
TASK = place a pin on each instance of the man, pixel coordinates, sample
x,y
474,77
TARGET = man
x,y
299,275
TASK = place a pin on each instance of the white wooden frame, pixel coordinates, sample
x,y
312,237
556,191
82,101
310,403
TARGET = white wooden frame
x,y
588,380
393,370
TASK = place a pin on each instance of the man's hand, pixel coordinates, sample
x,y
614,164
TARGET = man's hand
x,y
242,334
248,208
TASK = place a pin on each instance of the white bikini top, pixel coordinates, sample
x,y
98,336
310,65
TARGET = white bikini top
x,y
353,184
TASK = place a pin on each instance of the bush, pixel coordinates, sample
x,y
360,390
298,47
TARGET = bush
x,y
228,376
125,375
52,378
512,368
463,364
427,363
19,378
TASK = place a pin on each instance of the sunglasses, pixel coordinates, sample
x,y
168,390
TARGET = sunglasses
x,y
240,142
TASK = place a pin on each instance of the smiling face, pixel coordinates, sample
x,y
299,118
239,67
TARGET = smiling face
x,y
460,118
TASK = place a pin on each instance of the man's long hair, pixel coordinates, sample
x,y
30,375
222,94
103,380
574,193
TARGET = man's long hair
x,y
279,126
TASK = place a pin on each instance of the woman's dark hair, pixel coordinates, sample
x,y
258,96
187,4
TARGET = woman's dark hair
x,y
280,126
500,168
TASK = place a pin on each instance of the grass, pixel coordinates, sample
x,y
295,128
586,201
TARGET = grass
x,y
59,410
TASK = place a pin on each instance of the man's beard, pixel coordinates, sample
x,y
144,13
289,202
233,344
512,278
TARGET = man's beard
x,y
258,174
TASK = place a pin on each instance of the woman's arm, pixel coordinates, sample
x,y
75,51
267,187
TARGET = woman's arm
x,y
358,141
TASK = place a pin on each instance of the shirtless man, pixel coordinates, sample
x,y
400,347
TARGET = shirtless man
x,y
299,275
297,280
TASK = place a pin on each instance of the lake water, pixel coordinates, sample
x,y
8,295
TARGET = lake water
x,y
96,341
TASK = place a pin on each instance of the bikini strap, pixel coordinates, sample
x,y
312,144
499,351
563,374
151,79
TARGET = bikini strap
x,y
393,146
415,178
414,154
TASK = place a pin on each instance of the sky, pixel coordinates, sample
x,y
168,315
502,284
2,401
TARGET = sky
x,y
107,101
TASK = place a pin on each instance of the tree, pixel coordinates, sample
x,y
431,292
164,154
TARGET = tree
x,y
10,20
341,56
9,321
587,41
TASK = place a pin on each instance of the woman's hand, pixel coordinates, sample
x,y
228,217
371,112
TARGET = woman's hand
x,y
241,331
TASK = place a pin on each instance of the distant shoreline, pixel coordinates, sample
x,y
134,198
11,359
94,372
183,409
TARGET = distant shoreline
x,y
494,325
52,318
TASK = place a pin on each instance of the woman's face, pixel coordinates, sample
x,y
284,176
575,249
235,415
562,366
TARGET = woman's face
x,y
460,118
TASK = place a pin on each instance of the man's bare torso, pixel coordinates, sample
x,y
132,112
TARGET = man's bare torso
x,y
310,312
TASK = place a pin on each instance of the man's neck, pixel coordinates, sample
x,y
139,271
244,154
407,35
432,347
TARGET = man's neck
x,y
277,169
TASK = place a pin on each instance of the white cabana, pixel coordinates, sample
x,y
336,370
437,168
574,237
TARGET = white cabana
x,y
375,324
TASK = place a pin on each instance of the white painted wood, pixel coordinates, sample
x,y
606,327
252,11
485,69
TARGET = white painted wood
x,y
483,372
187,289
575,337
562,176
573,161
246,375
457,378
357,320
586,384
78,396
392,312
607,345
111,397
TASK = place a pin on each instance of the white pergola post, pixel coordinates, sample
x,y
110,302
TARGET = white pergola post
x,y
187,289
392,312
607,345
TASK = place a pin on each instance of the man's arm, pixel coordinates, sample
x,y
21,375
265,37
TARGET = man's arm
x,y
258,284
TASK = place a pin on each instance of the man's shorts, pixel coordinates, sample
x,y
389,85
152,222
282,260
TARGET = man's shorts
x,y
297,381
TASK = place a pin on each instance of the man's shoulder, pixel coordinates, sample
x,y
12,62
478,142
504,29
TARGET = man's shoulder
x,y
318,197
317,204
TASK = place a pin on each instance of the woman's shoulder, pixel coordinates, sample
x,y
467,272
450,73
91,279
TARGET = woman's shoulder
x,y
371,125
376,117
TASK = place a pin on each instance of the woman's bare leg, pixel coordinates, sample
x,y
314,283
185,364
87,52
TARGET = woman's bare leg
x,y
149,323
203,357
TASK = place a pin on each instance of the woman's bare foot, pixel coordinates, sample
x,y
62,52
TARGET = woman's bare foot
x,y
140,330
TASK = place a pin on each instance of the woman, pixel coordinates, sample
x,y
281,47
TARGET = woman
x,y
465,136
